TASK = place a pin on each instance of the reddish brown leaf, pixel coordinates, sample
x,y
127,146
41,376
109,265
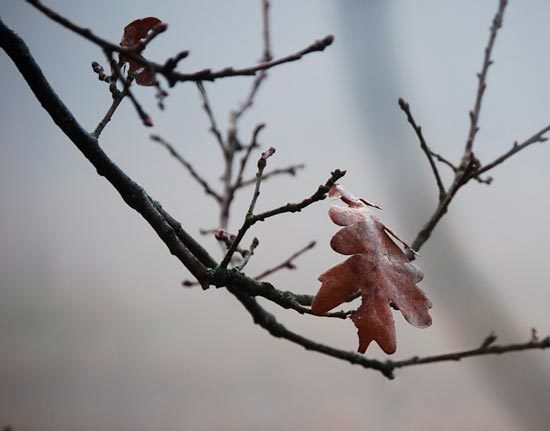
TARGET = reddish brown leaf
x,y
378,270
133,33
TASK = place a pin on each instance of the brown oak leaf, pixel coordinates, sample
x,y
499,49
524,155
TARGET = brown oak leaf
x,y
378,270
133,33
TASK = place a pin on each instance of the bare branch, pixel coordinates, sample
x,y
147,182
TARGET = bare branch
x,y
109,114
334,314
407,247
244,160
206,187
208,75
289,170
418,130
286,264
469,166
266,33
248,253
160,28
262,162
117,75
246,289
100,72
443,160
251,219
454,168
213,126
260,77
117,96
268,322
536,138
482,80
487,348
319,195
132,193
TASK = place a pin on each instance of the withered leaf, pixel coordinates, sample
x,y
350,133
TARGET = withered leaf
x,y
133,33
378,270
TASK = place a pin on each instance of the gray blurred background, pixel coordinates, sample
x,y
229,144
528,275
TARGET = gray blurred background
x,y
95,330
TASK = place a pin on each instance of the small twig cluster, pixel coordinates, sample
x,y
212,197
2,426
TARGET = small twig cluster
x,y
469,167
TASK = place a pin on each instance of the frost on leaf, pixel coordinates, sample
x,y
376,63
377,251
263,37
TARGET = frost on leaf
x,y
378,270
134,33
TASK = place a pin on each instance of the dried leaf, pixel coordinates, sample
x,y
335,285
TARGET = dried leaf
x,y
378,269
133,33
338,191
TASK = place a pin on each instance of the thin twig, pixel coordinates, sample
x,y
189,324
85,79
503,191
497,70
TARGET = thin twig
x,y
418,130
251,219
144,117
209,75
117,98
536,138
443,160
233,145
407,247
333,314
262,162
109,114
173,62
213,125
482,81
286,264
454,168
206,187
266,33
248,253
227,238
289,170
160,28
260,77
244,160
319,195
489,349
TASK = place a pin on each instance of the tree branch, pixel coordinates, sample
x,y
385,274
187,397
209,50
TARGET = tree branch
x,y
117,97
132,193
109,114
251,219
260,77
117,75
290,170
487,348
536,138
469,165
262,162
167,70
179,242
244,160
213,126
418,130
288,263
192,254
482,80
206,187
269,323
